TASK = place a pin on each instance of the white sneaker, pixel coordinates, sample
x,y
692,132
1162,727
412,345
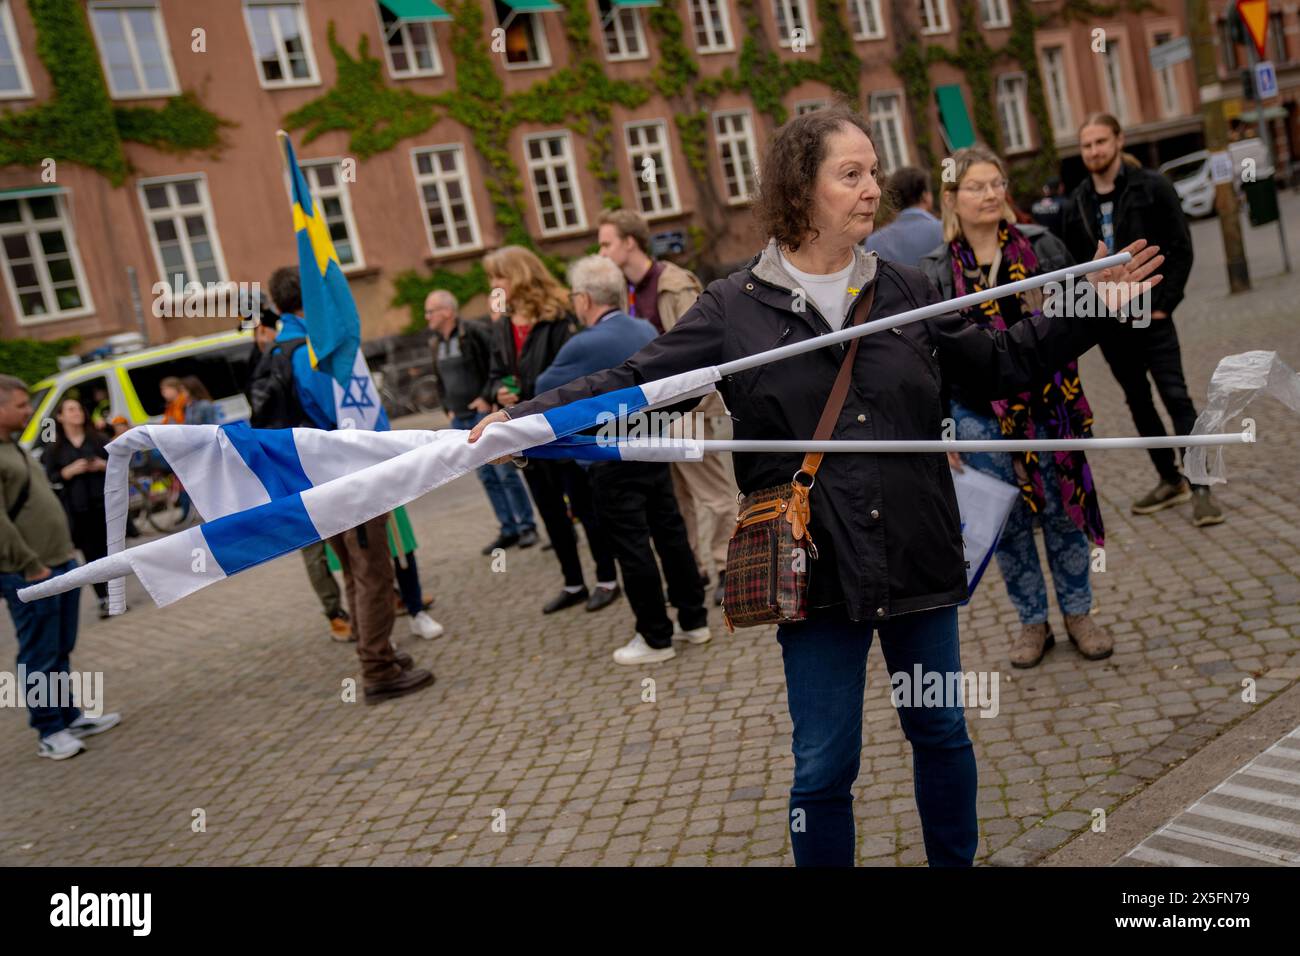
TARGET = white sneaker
x,y
637,651
85,726
424,626
60,746
698,635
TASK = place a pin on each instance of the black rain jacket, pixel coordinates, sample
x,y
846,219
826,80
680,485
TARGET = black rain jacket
x,y
886,526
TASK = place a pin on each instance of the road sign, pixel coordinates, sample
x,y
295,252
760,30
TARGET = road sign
x,y
1254,14
1172,51
1265,79
1221,168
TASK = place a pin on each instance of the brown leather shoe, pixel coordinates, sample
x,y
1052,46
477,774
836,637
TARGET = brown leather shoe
x,y
1033,642
404,660
408,682
1089,637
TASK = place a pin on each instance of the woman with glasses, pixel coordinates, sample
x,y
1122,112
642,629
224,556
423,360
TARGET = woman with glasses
x,y
984,247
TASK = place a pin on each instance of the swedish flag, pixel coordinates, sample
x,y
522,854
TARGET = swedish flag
x,y
333,325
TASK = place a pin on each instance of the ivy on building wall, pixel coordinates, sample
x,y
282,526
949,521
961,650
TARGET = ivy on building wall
x,y
79,122
377,116
32,360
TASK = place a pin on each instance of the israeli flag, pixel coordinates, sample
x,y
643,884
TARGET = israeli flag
x,y
267,492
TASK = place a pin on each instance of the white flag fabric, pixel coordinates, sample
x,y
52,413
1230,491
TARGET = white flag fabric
x,y
266,492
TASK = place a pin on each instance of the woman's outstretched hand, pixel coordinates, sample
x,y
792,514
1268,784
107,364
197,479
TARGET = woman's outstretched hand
x,y
477,432
1120,284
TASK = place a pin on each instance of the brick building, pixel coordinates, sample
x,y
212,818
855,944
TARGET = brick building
x,y
433,199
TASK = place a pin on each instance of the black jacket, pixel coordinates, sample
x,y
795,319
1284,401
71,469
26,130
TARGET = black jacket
x,y
80,493
1148,209
476,336
540,348
272,394
1051,254
886,526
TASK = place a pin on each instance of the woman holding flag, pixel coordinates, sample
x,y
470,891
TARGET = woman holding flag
x,y
886,526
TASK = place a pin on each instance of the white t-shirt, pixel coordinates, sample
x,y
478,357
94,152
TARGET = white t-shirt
x,y
829,293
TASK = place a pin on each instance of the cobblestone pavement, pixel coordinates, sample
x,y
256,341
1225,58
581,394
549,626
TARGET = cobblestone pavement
x,y
232,698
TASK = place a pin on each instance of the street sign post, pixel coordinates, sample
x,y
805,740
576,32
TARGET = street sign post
x,y
1254,14
1265,80
1170,52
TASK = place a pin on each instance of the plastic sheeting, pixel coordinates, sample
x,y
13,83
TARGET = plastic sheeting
x,y
1236,382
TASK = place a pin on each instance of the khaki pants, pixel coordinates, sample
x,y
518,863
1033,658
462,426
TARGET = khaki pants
x,y
707,487
368,581
322,579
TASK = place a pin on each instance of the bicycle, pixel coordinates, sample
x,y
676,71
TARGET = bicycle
x,y
160,496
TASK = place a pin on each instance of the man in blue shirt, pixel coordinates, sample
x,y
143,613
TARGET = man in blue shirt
x,y
634,499
915,231
278,387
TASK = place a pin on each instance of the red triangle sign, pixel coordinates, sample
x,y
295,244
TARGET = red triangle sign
x,y
1254,14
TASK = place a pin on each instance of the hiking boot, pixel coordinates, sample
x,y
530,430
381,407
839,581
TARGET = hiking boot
x,y
341,630
1204,511
407,682
1163,495
1089,637
1033,642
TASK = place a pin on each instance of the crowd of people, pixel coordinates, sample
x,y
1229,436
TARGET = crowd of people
x,y
890,559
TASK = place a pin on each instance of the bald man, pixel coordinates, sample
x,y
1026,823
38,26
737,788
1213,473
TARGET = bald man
x,y
461,350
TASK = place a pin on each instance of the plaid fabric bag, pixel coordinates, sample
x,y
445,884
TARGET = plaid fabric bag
x,y
767,567
769,555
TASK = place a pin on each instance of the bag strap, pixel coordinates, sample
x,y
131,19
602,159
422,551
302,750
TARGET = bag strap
x,y
799,513
16,508
840,390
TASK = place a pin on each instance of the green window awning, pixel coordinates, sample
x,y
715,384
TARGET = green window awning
x,y
953,118
532,6
419,10
1270,113
635,3
29,192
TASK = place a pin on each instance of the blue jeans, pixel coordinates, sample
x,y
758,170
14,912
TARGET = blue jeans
x,y
825,676
1068,551
505,489
47,633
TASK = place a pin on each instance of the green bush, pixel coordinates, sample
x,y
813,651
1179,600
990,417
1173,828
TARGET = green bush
x,y
31,360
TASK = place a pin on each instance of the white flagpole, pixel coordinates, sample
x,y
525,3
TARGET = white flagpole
x,y
937,445
923,312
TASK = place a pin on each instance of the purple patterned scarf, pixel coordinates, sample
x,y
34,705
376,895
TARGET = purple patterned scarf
x,y
1056,410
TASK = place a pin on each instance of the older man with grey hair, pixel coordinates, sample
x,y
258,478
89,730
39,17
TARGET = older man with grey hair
x,y
634,500
462,359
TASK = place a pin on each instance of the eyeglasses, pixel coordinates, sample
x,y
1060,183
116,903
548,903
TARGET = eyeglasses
x,y
978,189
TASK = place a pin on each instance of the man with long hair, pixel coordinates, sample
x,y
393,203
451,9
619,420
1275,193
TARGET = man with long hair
x,y
1118,203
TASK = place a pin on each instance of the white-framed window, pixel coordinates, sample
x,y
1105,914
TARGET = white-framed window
x,y
182,230
885,113
449,217
526,47
410,46
995,13
792,15
865,20
1167,83
281,42
934,16
734,132
621,29
46,280
647,152
1013,111
1112,74
329,188
551,171
133,48
712,26
808,106
1056,87
14,82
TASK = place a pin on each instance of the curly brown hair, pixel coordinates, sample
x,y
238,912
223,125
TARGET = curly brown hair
x,y
784,204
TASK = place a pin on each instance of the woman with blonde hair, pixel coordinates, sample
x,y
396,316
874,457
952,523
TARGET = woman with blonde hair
x,y
537,322
984,247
